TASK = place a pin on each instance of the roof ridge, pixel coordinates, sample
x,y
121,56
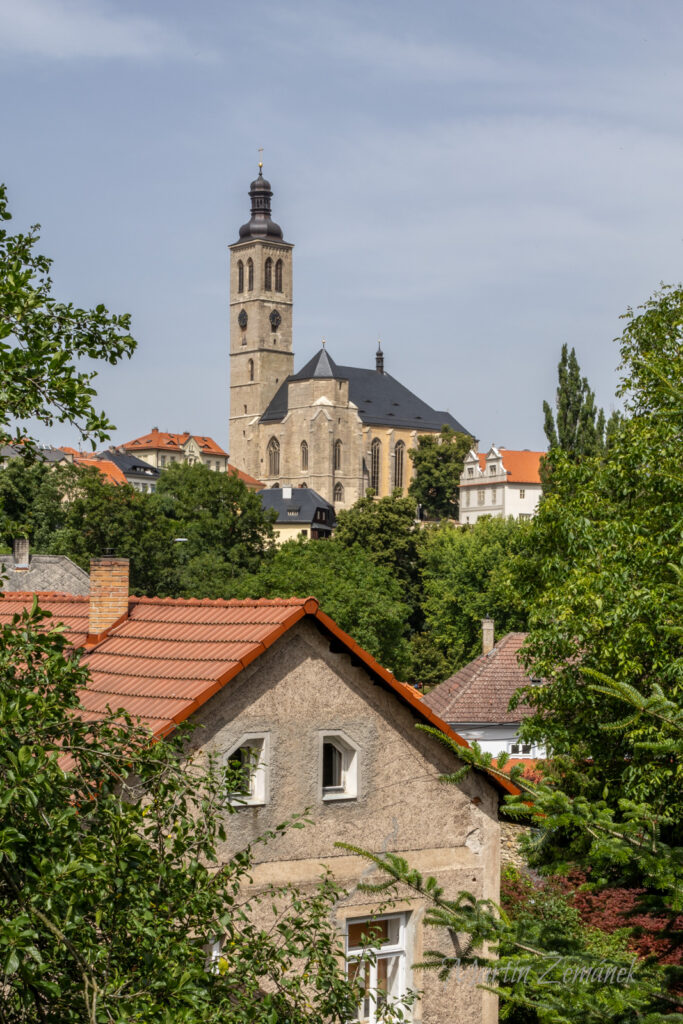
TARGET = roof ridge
x,y
62,594
233,602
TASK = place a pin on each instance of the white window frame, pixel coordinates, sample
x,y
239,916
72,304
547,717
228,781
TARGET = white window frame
x,y
531,752
384,952
260,778
350,766
522,492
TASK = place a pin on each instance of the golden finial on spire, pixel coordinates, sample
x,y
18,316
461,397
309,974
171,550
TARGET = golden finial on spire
x,y
323,343
260,159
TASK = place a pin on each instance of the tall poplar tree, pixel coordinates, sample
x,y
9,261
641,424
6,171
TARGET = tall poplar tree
x,y
578,426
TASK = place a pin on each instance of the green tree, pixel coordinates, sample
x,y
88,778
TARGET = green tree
x,y
601,571
112,884
363,597
225,528
99,518
438,462
467,575
577,427
43,340
30,504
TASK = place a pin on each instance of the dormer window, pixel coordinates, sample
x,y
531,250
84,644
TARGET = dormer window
x,y
492,470
338,767
470,470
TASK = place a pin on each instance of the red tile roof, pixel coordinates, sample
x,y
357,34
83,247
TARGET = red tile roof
x,y
109,471
250,481
481,691
522,467
159,440
172,655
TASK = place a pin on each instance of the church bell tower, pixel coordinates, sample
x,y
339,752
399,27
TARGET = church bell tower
x,y
261,355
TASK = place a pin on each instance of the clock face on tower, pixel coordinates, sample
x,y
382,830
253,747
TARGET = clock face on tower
x,y
275,320
242,318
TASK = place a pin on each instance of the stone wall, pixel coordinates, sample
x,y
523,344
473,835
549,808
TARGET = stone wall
x,y
510,834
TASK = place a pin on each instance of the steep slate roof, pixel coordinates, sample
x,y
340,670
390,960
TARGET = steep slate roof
x,y
304,502
130,464
481,691
381,399
170,656
159,439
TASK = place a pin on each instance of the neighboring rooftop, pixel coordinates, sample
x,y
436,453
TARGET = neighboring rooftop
x,y
481,691
23,571
297,505
160,440
522,467
380,398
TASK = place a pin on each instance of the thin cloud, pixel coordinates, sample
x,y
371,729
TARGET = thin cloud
x,y
70,29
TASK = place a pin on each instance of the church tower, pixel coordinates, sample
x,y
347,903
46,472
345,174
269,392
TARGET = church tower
x,y
261,354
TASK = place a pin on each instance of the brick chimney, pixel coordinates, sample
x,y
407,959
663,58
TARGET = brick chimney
x,y
487,635
108,594
20,550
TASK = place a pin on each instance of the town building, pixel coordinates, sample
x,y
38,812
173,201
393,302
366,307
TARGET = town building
x,y
161,449
136,472
339,430
277,686
475,700
301,512
500,483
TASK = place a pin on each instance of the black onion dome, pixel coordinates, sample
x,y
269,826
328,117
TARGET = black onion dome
x,y
260,225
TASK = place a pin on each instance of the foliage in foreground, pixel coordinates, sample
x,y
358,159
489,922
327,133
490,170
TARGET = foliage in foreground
x,y
545,968
112,885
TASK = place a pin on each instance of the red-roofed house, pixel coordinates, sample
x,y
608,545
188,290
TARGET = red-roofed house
x,y
475,700
500,483
161,449
276,685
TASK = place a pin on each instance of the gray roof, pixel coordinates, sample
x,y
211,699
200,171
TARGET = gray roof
x,y
130,465
49,454
45,572
300,508
380,398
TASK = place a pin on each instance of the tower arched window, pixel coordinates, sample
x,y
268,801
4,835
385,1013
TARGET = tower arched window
x,y
268,275
240,276
337,455
375,456
338,493
273,452
250,368
278,276
304,455
399,462
250,274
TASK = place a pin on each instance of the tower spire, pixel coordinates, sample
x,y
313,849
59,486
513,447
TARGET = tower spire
x,y
379,357
260,225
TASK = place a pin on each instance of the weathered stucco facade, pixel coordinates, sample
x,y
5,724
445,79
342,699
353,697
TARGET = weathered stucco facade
x,y
315,428
298,692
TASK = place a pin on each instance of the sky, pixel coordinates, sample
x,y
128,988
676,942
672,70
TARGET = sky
x,y
475,183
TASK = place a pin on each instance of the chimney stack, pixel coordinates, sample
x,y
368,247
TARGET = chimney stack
x,y
487,635
20,550
108,594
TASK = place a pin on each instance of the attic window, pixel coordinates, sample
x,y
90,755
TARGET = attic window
x,y
248,760
339,767
292,513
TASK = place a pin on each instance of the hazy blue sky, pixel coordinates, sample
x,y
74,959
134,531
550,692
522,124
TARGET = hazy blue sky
x,y
475,182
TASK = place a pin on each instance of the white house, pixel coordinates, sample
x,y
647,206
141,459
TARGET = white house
x,y
475,700
500,483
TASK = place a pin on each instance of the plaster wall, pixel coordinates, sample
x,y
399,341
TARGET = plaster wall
x,y
294,694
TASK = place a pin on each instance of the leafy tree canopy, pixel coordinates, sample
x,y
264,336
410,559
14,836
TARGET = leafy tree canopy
x,y
438,462
363,597
43,340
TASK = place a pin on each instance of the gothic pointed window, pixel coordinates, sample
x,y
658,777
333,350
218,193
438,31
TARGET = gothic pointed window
x,y
250,367
250,274
375,456
338,492
337,455
240,276
399,461
304,455
268,275
278,276
273,451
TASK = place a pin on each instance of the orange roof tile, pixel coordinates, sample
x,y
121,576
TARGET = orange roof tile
x,y
522,467
251,482
108,469
170,656
162,441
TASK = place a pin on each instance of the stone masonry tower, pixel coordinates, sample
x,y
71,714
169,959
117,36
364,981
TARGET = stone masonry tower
x,y
261,354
